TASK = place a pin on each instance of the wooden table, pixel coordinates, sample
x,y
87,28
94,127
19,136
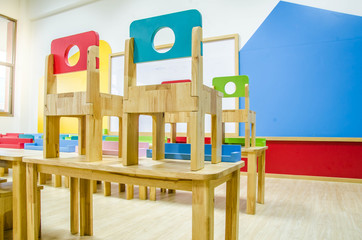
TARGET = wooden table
x,y
12,158
171,174
252,154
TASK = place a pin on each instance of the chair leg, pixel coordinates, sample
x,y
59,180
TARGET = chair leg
x,y
253,135
173,132
94,138
158,136
81,135
217,133
247,134
188,133
51,136
130,139
197,127
120,125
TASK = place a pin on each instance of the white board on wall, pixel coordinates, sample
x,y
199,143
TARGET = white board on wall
x,y
220,58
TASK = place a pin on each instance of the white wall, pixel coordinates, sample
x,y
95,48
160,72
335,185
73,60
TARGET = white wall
x,y
17,9
111,19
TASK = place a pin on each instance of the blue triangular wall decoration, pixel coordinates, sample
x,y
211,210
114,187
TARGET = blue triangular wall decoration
x,y
305,70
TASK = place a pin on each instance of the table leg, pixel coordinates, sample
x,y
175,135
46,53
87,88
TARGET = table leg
x,y
86,207
66,181
107,188
74,201
251,191
31,213
261,178
2,217
232,207
202,210
121,187
153,193
94,184
42,178
19,200
142,192
129,192
57,181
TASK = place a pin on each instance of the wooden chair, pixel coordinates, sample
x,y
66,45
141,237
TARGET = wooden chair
x,y
89,106
237,115
155,100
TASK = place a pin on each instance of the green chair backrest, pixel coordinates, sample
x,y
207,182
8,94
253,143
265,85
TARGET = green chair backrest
x,y
219,84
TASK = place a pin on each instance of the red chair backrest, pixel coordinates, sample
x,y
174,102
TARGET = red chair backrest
x,y
60,48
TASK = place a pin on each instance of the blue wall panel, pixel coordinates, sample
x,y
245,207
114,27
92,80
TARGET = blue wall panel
x,y
305,71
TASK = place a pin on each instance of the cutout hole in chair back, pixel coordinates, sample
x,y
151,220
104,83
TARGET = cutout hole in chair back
x,y
163,36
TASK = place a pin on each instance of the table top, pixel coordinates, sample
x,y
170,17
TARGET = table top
x,y
16,155
166,168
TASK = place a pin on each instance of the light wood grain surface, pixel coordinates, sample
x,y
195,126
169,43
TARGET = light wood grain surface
x,y
294,209
166,168
9,154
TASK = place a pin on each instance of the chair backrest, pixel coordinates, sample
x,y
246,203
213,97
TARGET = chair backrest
x,y
139,48
60,48
181,23
240,82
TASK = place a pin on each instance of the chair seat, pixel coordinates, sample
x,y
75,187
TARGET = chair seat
x,y
75,104
169,98
238,115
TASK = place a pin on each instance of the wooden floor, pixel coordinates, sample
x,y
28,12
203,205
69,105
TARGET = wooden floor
x,y
294,209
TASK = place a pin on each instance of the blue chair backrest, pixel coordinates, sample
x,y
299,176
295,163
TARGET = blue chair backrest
x,y
143,31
